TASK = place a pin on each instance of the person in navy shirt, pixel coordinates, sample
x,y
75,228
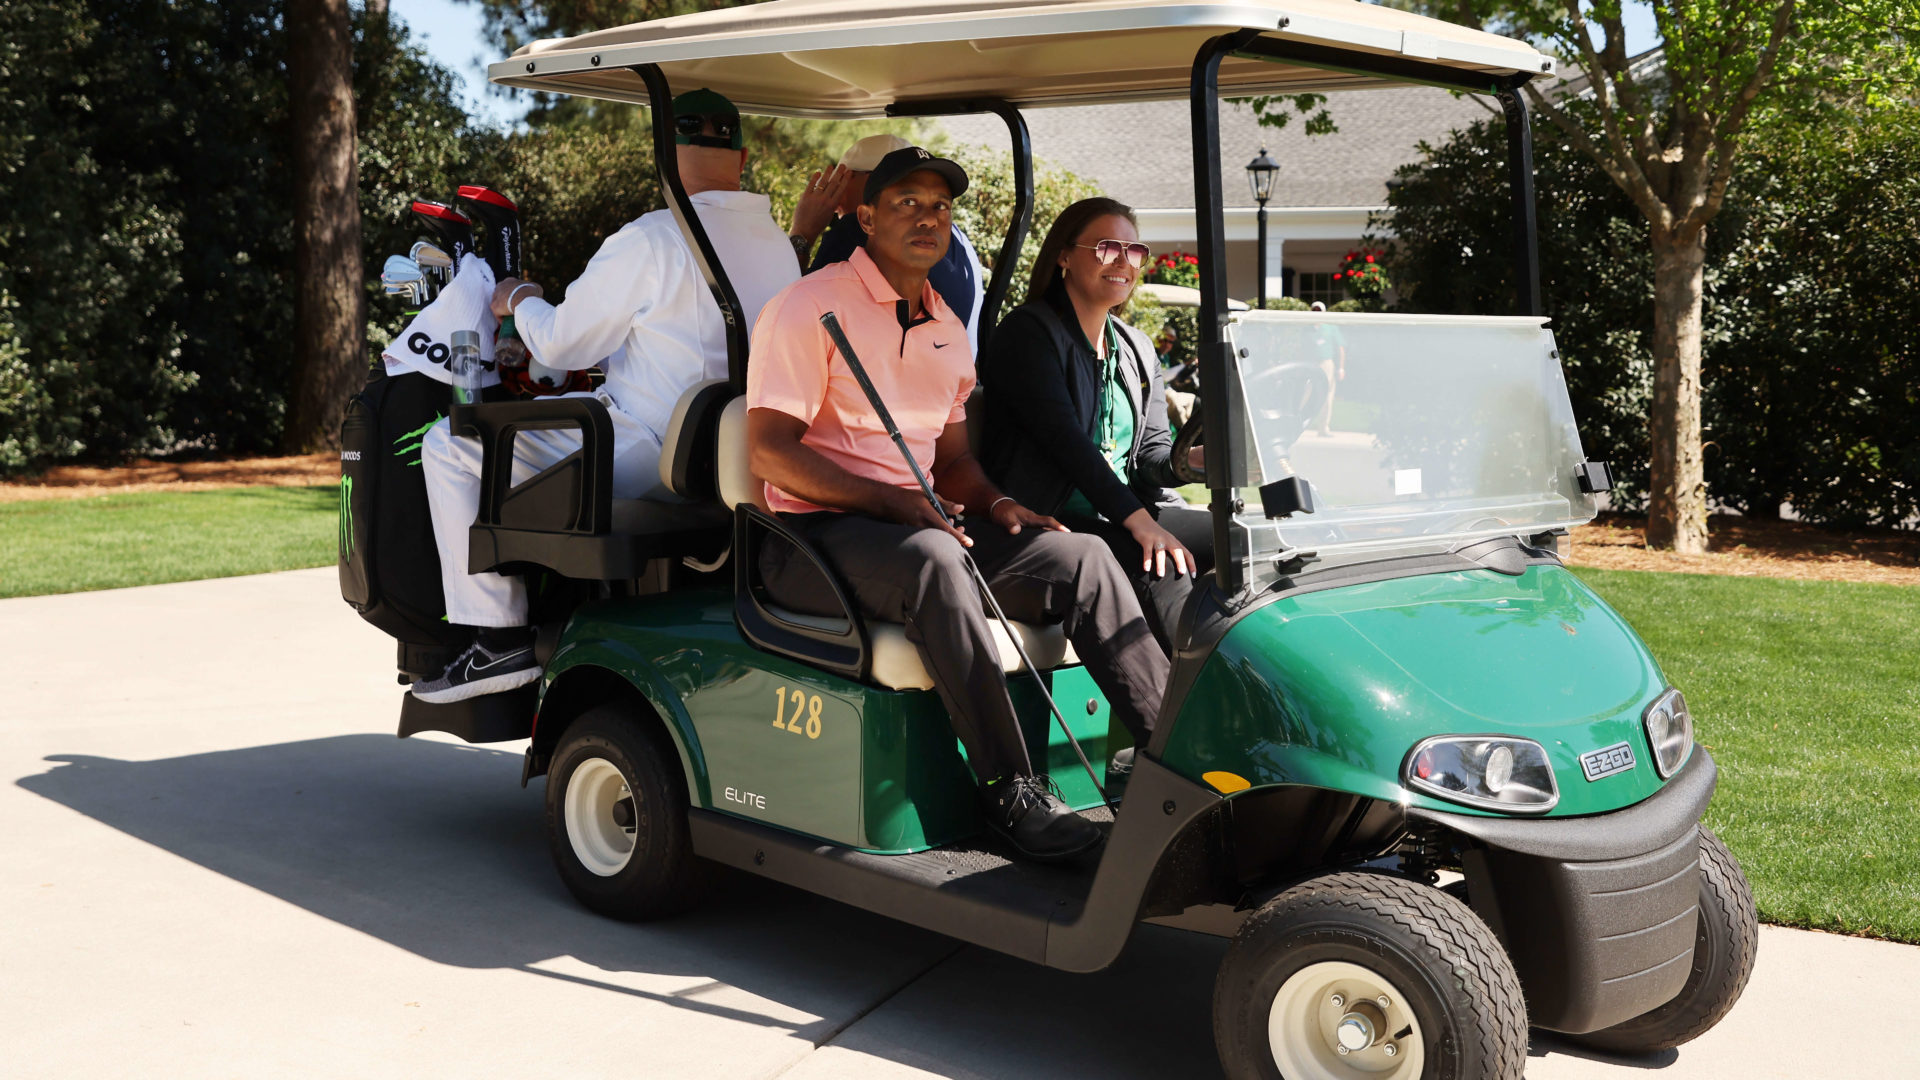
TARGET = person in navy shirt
x,y
825,214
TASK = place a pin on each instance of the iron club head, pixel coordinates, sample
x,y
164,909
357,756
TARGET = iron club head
x,y
401,274
434,262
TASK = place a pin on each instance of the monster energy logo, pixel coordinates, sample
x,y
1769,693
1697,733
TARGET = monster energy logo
x,y
346,518
412,440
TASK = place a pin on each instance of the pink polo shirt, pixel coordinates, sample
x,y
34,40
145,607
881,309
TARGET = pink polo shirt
x,y
923,372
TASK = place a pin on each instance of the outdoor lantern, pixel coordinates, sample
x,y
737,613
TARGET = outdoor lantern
x,y
1260,174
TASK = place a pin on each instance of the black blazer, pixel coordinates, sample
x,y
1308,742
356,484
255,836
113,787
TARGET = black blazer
x,y
1042,402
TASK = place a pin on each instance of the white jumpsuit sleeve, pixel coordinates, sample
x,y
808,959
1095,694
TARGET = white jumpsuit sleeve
x,y
600,306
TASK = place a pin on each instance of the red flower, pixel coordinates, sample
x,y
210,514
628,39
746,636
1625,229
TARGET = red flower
x,y
1193,260
1336,275
1369,258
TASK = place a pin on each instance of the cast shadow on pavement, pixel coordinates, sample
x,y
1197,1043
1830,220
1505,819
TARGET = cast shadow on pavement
x,y
435,848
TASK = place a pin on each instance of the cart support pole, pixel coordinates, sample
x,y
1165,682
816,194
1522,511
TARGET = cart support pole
x,y
1526,257
1219,373
667,160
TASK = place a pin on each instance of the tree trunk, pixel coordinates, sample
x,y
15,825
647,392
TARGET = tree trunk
x,y
1677,502
329,346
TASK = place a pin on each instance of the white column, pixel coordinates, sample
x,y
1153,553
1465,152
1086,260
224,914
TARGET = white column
x,y
1275,244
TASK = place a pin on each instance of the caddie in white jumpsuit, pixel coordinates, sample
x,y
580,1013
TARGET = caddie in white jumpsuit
x,y
643,306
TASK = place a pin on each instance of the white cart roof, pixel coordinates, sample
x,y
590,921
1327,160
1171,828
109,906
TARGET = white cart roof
x,y
853,58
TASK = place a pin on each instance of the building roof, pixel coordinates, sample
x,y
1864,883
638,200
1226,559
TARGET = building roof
x,y
854,58
1142,154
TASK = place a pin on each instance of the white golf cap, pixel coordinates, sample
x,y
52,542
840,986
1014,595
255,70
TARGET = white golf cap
x,y
865,154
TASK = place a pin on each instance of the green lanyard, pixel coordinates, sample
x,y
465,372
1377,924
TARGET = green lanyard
x,y
1104,425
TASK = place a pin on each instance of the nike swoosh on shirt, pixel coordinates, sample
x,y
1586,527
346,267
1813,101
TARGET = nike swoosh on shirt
x,y
939,345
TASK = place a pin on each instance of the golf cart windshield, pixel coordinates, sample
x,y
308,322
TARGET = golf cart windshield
x,y
1411,431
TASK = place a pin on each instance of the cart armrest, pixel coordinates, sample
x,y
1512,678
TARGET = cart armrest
x,y
843,652
574,495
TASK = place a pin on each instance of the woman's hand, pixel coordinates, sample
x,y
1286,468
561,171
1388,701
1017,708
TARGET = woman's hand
x,y
1157,545
1197,459
815,209
1012,517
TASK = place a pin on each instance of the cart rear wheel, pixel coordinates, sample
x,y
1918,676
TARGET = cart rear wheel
x,y
1368,977
617,819
1723,955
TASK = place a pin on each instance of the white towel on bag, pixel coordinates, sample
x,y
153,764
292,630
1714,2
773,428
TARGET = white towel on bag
x,y
426,344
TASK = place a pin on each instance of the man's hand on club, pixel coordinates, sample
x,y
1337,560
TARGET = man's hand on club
x,y
503,294
909,507
1013,517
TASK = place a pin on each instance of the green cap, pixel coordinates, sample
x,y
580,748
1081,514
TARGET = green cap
x,y
695,109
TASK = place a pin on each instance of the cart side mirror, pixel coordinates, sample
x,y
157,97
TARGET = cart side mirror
x,y
1283,498
1594,477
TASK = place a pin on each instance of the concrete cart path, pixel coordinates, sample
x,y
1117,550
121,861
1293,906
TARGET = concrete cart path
x,y
216,860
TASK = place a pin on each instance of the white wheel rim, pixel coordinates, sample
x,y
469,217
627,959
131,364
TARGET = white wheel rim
x,y
602,844
1303,1027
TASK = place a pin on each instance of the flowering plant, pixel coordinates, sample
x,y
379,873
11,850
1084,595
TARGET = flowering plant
x,y
1360,271
1175,268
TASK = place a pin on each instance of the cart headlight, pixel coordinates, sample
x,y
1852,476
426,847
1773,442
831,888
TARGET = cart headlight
x,y
1493,772
1670,732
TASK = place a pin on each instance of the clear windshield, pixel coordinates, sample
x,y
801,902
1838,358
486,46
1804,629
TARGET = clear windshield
x,y
1412,431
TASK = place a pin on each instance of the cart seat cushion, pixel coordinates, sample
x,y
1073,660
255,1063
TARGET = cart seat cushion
x,y
687,450
646,517
736,480
896,663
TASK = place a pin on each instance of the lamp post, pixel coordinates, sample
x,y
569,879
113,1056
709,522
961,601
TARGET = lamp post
x,y
1260,173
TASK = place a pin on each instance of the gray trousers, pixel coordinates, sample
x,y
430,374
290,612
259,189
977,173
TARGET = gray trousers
x,y
918,577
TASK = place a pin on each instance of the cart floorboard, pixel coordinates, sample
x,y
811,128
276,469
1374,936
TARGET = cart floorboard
x,y
972,889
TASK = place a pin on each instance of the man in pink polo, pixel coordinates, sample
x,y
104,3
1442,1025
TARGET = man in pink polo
x,y
837,479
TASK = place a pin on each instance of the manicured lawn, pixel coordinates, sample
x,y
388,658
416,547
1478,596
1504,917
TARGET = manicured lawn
x,y
112,541
1808,694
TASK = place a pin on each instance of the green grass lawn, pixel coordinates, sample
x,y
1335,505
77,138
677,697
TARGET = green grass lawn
x,y
145,538
1808,694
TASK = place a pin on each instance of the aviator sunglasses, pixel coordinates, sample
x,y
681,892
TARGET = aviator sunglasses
x,y
691,125
1107,251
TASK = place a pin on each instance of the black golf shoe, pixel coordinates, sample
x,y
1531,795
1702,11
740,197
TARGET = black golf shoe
x,y
1026,812
480,671
1119,771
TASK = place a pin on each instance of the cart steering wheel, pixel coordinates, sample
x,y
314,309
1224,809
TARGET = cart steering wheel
x,y
1301,391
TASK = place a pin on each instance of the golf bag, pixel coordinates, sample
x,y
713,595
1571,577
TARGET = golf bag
x,y
389,567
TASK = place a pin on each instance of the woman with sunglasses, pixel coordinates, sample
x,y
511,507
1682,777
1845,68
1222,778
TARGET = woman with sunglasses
x,y
1076,417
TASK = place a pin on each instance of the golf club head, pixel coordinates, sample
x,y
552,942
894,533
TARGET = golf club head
x,y
451,229
499,225
402,275
433,262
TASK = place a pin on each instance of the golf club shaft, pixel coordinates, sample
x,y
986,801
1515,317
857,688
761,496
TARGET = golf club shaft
x,y
839,336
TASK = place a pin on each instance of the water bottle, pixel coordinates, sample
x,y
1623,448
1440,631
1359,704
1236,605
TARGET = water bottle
x,y
465,367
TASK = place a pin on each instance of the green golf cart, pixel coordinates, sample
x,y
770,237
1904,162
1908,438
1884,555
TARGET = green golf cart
x,y
1434,789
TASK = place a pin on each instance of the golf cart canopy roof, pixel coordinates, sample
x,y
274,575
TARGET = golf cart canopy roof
x,y
855,58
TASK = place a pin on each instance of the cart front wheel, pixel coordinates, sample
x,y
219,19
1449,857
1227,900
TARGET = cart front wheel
x,y
1368,977
1723,952
617,819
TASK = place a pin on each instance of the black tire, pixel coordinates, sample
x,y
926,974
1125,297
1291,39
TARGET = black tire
x,y
1456,979
1723,953
661,876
